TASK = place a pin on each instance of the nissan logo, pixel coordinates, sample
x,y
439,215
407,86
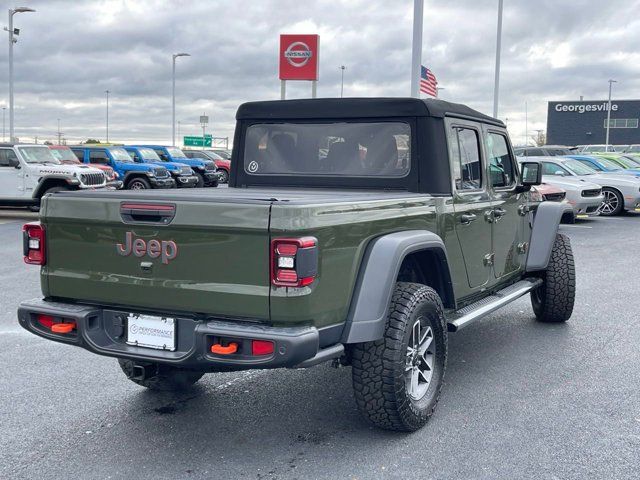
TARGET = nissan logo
x,y
298,54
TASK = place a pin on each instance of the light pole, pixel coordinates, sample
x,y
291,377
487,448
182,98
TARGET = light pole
x,y
173,96
59,134
4,110
438,91
496,84
606,147
342,68
107,92
12,40
416,49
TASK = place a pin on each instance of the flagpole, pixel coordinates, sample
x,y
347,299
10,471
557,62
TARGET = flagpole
x,y
416,52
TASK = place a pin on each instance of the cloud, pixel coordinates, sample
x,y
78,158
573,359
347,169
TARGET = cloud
x,y
70,52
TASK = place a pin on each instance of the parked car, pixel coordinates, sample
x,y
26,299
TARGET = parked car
x,y
621,192
602,163
181,173
544,151
627,162
550,193
596,148
29,172
67,157
359,262
226,154
585,197
223,167
135,176
205,170
632,149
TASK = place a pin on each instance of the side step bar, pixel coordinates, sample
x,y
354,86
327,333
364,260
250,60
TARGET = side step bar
x,y
463,317
323,355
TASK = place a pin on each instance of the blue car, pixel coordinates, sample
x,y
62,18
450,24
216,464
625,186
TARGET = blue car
x,y
181,173
602,164
136,176
205,170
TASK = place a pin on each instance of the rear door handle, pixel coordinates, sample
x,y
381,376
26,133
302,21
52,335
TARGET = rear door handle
x,y
467,218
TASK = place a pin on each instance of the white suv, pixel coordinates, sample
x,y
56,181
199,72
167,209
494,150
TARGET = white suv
x,y
28,172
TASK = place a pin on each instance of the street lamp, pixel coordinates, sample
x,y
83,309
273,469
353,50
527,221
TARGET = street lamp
x,y
606,147
438,91
4,110
342,68
12,40
496,80
107,92
173,97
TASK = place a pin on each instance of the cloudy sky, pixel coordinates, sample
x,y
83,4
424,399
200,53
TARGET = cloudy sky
x,y
70,52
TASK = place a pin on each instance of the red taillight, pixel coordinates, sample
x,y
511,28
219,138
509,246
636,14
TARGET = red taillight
x,y
33,246
294,261
46,320
262,347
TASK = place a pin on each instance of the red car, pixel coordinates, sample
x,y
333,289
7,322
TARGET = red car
x,y
66,155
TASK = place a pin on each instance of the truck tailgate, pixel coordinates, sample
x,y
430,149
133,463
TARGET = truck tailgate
x,y
211,258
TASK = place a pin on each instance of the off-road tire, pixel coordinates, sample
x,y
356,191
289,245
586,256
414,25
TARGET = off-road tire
x,y
161,377
553,301
36,208
142,182
200,183
378,367
619,202
223,175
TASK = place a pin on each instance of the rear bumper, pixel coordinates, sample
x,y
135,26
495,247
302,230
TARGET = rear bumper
x,y
103,331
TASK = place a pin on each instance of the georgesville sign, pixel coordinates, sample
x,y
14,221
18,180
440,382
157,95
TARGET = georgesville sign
x,y
585,107
299,57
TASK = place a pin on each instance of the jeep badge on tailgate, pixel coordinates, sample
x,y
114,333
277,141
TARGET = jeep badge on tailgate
x,y
167,250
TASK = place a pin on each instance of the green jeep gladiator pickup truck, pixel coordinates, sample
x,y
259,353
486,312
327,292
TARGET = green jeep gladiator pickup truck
x,y
355,230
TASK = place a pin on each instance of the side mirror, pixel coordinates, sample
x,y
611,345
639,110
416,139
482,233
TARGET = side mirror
x,y
14,162
531,173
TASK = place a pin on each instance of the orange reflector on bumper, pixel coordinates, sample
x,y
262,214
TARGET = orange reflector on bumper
x,y
228,350
63,327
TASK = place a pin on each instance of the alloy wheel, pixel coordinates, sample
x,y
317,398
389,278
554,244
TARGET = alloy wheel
x,y
610,203
136,185
419,360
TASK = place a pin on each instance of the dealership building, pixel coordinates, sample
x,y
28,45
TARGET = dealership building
x,y
585,122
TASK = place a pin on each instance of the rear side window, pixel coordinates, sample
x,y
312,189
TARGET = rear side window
x,y
79,154
349,149
552,168
98,156
465,148
501,164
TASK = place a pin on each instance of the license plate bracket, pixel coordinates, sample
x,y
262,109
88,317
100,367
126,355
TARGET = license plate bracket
x,y
150,331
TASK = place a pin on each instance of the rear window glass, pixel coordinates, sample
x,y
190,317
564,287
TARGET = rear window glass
x,y
352,149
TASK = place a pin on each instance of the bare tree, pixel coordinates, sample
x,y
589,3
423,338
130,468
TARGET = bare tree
x,y
540,138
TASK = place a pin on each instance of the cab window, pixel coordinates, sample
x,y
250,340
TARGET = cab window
x,y
501,165
465,152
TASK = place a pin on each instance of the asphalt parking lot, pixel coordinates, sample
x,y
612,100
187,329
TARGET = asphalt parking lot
x,y
521,400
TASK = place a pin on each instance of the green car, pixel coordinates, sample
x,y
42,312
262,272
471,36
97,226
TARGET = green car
x,y
358,231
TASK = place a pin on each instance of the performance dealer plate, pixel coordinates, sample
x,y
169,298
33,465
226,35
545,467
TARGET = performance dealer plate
x,y
151,332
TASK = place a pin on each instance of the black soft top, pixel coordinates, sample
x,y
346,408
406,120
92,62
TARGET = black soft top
x,y
329,108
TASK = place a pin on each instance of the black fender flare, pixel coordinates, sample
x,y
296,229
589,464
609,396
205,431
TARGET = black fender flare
x,y
543,236
50,181
377,278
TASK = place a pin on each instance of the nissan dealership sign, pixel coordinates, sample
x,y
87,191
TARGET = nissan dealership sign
x,y
585,107
299,56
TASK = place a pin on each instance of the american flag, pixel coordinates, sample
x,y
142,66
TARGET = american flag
x,y
428,82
